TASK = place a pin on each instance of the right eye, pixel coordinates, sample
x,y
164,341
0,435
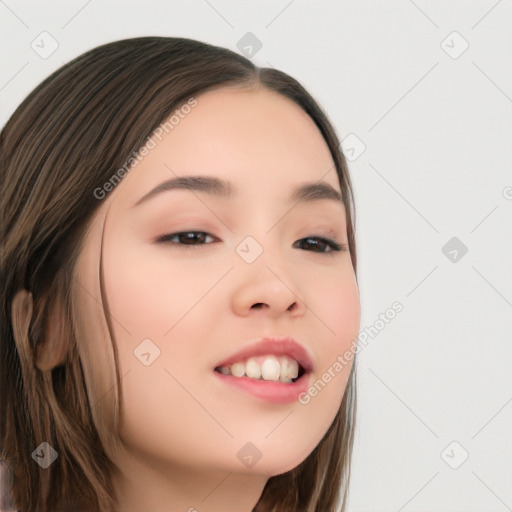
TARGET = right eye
x,y
187,239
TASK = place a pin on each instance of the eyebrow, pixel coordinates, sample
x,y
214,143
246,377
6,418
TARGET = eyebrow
x,y
305,192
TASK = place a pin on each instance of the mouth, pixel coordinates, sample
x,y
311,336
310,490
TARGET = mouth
x,y
268,368
276,370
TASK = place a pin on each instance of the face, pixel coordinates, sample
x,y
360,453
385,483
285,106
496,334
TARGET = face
x,y
193,276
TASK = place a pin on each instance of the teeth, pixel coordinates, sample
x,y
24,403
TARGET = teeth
x,y
238,369
270,368
252,369
289,369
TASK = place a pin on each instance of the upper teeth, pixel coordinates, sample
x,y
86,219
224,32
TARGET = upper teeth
x,y
274,368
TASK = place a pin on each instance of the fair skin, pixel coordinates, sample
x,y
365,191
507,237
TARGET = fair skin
x,y
181,425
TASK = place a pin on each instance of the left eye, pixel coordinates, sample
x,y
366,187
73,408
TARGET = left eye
x,y
194,239
321,243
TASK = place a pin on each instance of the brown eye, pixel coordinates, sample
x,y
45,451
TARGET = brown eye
x,y
189,239
320,244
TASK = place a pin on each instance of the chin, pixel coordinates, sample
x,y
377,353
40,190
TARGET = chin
x,y
281,461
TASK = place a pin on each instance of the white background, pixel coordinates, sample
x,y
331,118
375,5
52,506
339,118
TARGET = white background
x,y
437,132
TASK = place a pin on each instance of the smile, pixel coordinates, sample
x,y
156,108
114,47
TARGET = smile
x,y
267,368
276,369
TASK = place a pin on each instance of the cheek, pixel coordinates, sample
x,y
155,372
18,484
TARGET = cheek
x,y
148,293
151,297
339,308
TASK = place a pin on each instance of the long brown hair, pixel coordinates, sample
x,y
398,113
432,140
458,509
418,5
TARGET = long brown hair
x,y
71,134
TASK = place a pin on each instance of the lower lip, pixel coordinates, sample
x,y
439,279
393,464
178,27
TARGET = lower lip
x,y
270,391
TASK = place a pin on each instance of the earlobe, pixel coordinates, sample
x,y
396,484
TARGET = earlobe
x,y
52,350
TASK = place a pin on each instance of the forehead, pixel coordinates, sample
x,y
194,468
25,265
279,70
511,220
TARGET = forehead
x,y
256,138
258,123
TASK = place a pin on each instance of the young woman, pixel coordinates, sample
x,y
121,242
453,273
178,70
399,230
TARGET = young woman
x,y
178,288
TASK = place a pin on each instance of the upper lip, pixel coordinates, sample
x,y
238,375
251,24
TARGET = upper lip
x,y
275,345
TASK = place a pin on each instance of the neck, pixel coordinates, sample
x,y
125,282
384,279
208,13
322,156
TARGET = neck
x,y
140,486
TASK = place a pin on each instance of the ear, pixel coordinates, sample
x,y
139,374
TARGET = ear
x,y
52,350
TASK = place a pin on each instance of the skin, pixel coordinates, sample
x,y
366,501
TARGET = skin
x,y
181,426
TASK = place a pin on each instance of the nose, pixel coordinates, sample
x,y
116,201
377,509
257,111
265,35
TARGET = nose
x,y
269,290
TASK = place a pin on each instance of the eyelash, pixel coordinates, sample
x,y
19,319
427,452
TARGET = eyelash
x,y
334,246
